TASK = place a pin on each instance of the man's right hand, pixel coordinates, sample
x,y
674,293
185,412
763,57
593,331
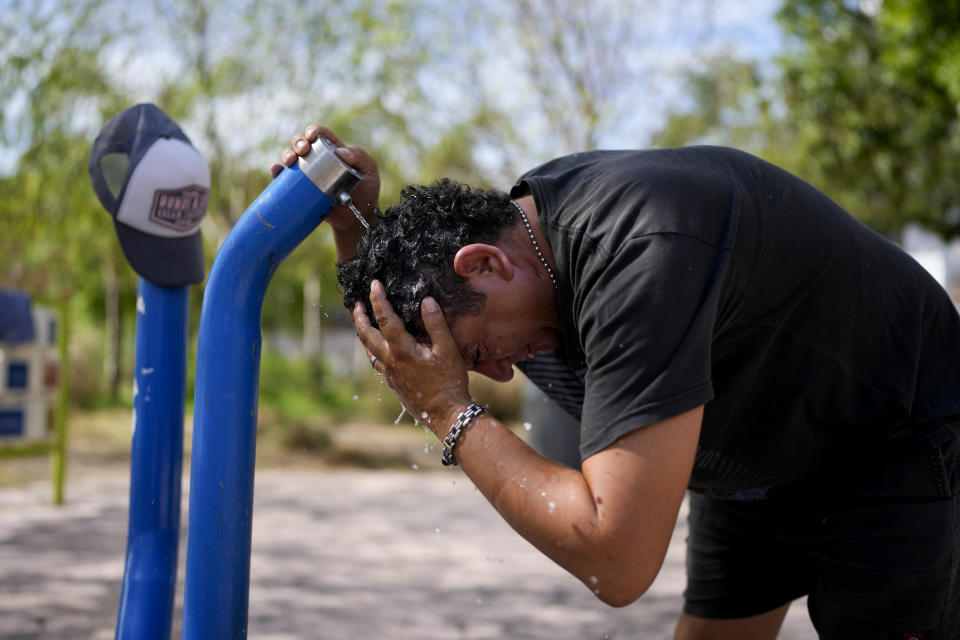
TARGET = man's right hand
x,y
365,195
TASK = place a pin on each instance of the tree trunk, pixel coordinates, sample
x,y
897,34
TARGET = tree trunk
x,y
312,328
111,341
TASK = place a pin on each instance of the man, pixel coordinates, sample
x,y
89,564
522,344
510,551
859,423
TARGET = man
x,y
716,324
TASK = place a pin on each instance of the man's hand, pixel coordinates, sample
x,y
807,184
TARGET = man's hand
x,y
429,380
365,194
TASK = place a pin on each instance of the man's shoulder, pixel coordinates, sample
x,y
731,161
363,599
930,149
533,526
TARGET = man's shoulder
x,y
658,165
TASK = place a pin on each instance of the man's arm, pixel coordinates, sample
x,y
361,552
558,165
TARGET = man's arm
x,y
346,228
609,525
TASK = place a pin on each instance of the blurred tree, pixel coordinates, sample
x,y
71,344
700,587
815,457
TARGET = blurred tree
x,y
239,78
592,64
731,103
864,103
576,61
516,82
477,91
872,91
251,74
57,239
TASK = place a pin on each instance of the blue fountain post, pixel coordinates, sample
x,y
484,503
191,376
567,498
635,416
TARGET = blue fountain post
x,y
146,599
225,399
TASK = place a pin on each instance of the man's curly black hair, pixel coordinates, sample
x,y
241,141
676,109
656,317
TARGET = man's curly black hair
x,y
411,249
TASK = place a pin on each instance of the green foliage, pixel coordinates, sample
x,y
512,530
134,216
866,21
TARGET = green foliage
x,y
864,104
869,91
67,69
733,105
299,387
409,80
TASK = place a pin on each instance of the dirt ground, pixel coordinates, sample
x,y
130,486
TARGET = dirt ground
x,y
409,552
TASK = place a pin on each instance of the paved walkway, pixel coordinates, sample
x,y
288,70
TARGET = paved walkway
x,y
336,555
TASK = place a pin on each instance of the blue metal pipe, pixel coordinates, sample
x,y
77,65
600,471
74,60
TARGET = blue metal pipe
x,y
225,399
146,598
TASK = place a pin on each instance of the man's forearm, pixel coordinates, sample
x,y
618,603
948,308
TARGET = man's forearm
x,y
555,509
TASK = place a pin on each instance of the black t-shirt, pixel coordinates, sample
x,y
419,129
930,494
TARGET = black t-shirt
x,y
706,276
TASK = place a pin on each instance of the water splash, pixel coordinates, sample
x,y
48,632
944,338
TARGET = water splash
x,y
357,214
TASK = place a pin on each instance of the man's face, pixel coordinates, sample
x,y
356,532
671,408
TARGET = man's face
x,y
506,331
519,318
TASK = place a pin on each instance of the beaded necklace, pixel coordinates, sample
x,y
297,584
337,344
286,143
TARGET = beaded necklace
x,y
536,246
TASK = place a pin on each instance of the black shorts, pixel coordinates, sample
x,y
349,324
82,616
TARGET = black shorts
x,y
876,552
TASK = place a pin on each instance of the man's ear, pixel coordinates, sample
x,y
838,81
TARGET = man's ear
x,y
479,260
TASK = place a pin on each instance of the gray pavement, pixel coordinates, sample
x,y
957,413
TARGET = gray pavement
x,y
336,555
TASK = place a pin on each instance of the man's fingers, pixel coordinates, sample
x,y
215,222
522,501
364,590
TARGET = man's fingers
x,y
390,324
397,338
436,325
359,159
300,144
313,131
368,334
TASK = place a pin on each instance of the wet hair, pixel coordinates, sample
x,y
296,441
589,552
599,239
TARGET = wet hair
x,y
411,249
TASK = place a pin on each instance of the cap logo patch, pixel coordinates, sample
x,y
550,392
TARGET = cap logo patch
x,y
180,209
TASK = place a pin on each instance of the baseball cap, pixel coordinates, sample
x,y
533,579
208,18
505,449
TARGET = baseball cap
x,y
155,185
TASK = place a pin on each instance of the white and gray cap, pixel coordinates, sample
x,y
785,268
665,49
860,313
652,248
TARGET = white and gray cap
x,y
155,185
